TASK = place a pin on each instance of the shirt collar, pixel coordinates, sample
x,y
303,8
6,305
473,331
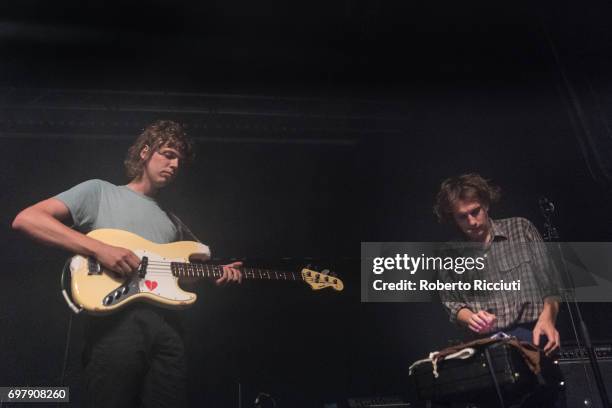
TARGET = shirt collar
x,y
498,230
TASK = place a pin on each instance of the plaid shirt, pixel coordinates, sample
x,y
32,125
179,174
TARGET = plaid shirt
x,y
516,252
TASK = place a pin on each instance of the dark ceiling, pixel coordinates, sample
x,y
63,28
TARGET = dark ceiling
x,y
290,46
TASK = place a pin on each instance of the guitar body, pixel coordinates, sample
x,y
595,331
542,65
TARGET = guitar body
x,y
99,291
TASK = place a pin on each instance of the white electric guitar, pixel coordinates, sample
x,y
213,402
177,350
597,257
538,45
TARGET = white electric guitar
x,y
98,291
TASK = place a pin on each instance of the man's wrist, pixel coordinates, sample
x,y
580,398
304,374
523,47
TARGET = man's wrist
x,y
93,247
549,311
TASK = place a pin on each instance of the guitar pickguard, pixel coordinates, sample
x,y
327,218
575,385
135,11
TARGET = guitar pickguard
x,y
158,279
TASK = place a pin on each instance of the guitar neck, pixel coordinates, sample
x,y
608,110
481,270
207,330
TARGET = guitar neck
x,y
206,271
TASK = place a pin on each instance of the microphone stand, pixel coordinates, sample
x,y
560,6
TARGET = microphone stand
x,y
551,234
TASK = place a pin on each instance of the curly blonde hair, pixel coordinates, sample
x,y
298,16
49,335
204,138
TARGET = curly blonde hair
x,y
464,187
157,134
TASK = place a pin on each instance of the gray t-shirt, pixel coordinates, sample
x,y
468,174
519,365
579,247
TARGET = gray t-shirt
x,y
96,204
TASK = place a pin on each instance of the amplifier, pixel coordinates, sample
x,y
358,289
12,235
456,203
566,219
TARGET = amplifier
x,y
569,353
378,402
580,387
371,402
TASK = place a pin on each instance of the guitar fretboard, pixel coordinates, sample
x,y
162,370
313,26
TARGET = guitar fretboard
x,y
197,270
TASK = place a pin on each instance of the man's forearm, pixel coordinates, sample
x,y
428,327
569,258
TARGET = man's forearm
x,y
550,310
45,228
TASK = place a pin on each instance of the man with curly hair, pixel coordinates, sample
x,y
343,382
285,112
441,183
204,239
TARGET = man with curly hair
x,y
136,356
512,249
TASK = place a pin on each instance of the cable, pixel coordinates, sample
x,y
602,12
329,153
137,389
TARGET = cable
x,y
74,310
66,350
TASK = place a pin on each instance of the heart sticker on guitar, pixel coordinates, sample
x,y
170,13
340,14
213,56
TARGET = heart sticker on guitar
x,y
151,284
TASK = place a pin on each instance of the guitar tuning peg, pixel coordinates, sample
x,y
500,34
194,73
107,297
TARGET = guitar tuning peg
x,y
325,272
334,274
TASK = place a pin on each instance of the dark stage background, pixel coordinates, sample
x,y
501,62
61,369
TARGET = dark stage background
x,y
319,126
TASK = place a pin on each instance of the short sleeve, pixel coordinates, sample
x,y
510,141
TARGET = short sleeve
x,y
83,201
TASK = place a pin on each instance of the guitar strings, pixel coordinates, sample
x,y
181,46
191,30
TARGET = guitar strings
x,y
177,262
280,276
196,274
249,272
214,267
164,268
167,272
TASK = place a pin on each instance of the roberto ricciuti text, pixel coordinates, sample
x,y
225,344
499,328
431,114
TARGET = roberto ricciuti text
x,y
477,285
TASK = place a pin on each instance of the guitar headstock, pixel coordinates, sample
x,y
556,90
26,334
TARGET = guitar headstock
x,y
319,280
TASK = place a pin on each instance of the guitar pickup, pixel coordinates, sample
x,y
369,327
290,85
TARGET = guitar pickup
x,y
142,269
93,266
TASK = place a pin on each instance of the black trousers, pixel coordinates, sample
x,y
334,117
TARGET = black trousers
x,y
135,358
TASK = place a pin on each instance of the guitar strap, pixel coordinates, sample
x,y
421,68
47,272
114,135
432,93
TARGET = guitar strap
x,y
182,227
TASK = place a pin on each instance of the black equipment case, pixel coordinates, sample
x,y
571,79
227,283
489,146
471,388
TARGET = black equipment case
x,y
495,370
